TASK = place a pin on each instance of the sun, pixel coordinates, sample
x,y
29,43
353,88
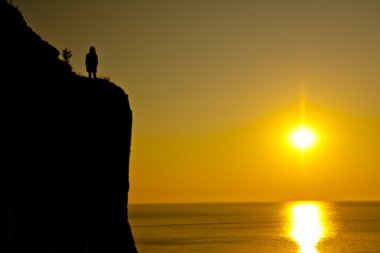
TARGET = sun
x,y
303,137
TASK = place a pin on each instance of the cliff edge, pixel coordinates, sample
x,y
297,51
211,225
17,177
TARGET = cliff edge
x,y
64,151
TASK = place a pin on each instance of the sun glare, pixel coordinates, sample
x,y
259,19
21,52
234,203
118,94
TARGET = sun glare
x,y
303,138
307,226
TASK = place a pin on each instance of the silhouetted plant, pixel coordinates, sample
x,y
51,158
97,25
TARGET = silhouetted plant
x,y
12,4
66,54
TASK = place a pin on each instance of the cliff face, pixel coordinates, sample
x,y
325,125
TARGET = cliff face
x,y
64,151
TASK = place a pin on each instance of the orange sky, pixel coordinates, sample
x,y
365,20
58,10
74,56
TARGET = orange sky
x,y
216,85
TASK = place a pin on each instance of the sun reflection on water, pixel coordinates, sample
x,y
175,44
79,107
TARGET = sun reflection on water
x,y
307,226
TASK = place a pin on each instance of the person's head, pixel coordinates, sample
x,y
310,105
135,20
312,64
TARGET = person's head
x,y
92,49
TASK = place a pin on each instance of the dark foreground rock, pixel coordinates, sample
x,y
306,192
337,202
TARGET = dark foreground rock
x,y
64,151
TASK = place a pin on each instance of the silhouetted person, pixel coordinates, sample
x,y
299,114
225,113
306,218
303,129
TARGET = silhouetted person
x,y
91,62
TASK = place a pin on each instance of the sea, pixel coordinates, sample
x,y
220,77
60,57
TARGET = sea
x,y
304,227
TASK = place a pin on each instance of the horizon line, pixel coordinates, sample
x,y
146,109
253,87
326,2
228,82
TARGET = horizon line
x,y
251,202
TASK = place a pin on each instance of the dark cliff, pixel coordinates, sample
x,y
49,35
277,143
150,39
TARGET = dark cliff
x,y
64,151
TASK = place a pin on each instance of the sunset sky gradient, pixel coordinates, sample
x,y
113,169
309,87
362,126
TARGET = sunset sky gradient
x,y
216,86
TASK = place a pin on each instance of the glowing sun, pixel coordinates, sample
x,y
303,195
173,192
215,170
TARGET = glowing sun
x,y
303,137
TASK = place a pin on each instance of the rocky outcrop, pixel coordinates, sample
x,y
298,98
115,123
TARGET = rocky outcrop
x,y
64,151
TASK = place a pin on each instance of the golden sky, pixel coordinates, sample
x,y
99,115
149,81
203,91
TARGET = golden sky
x,y
215,87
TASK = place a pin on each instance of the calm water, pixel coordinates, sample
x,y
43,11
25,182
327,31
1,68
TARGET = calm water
x,y
305,227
